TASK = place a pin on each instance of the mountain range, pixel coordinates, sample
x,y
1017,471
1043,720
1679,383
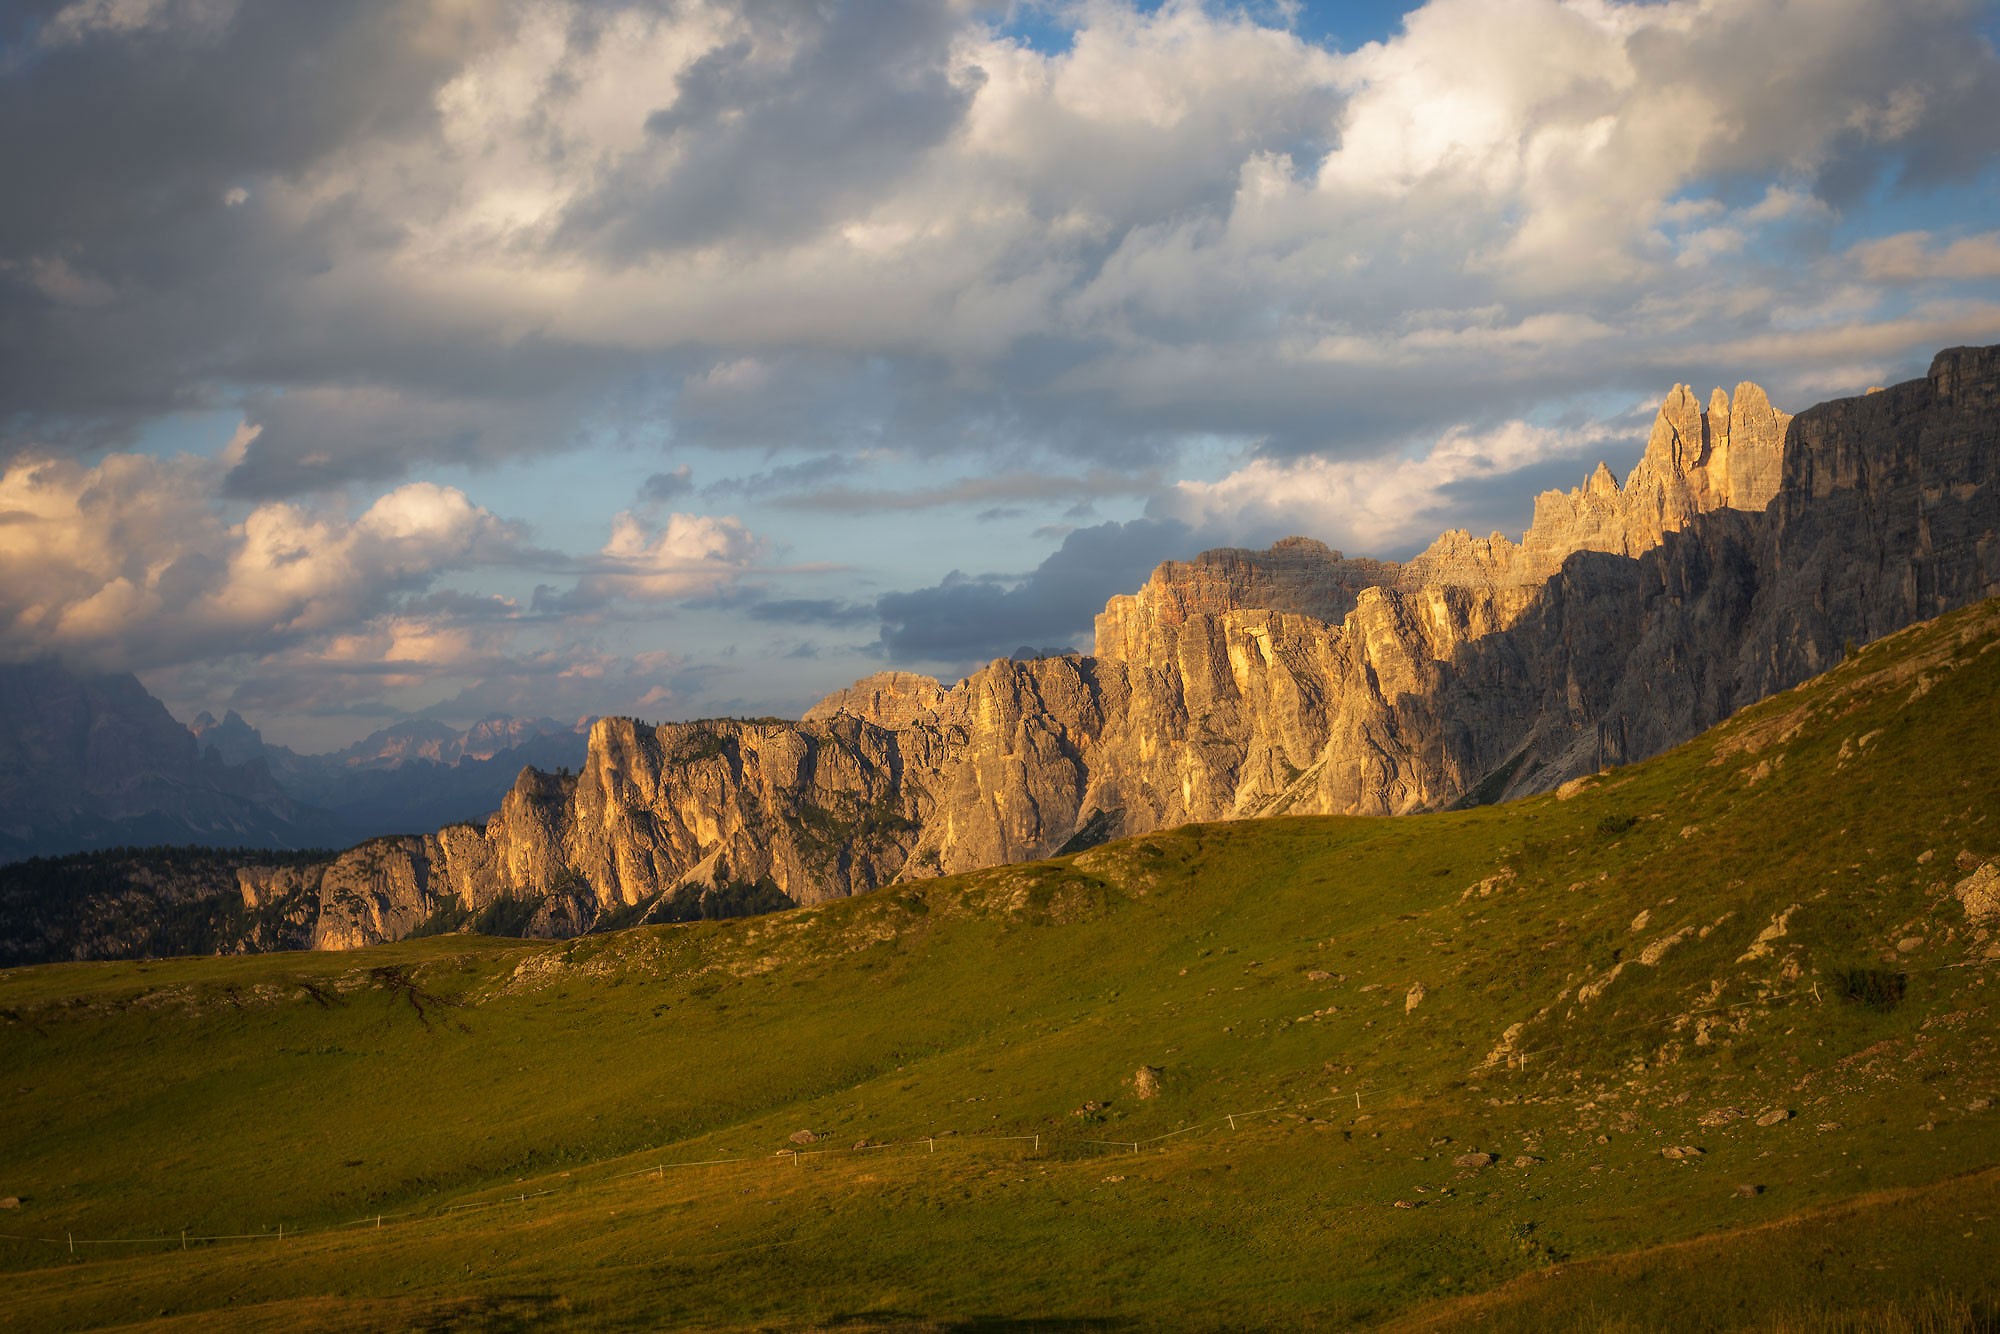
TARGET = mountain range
x,y
1747,551
94,761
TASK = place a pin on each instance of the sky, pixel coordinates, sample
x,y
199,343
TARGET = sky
x,y
374,359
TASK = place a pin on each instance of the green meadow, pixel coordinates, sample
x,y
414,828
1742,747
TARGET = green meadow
x,y
922,1109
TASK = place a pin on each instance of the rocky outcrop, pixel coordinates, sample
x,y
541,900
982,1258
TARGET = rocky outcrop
x,y
887,699
1742,554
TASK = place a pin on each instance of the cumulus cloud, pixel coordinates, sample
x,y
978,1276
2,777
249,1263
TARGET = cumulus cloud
x,y
137,563
688,555
132,561
466,232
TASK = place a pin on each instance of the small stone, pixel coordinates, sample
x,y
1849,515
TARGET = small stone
x,y
1092,1108
1114,1178
1928,1125
1318,975
1774,1116
1409,1204
1604,1139
1146,1083
1414,997
1924,857
1748,1192
11,1202
1909,944
1527,1160
1976,1105
864,1144
1829,1125
1473,1160
1721,1116
803,1137
1679,1151
1639,922
1965,861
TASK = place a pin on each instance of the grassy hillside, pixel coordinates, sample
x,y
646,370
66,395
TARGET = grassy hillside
x,y
598,1134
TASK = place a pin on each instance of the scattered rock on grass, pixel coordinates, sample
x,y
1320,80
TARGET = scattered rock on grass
x,y
11,1202
1749,1192
1979,893
1976,1105
1527,1160
1721,1116
1093,1108
1414,997
1473,1160
1409,1204
1318,975
804,1137
1678,1151
1146,1083
1774,1116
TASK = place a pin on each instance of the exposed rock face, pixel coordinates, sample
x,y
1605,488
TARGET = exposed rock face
x,y
1741,555
887,699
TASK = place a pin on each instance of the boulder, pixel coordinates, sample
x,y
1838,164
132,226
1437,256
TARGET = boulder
x,y
1979,894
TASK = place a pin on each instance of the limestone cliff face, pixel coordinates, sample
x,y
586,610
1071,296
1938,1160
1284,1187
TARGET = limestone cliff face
x,y
1741,554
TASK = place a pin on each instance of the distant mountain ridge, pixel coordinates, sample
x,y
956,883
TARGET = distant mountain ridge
x,y
96,761
411,776
93,762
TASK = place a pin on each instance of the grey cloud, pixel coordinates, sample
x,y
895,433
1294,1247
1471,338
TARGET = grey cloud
x,y
964,620
749,150
1017,486
791,477
118,150
663,488
812,611
1088,281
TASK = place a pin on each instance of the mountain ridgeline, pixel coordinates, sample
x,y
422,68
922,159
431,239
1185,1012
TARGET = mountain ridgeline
x,y
1746,552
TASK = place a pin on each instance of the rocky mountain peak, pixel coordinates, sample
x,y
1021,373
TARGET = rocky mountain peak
x,y
887,699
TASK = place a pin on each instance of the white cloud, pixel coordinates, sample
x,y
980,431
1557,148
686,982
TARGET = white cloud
x,y
1372,505
1910,257
688,555
136,561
